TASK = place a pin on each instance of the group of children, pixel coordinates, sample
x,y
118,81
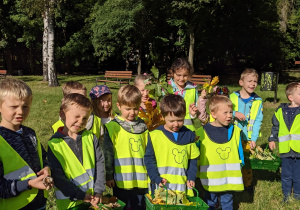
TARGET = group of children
x,y
92,146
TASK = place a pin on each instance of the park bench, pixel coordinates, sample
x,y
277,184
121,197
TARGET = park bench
x,y
297,62
197,79
121,77
3,74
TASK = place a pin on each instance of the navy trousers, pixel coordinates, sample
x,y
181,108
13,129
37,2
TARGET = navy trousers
x,y
290,176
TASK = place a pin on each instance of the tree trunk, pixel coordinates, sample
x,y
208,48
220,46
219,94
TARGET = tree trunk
x,y
8,59
192,47
139,70
45,45
53,82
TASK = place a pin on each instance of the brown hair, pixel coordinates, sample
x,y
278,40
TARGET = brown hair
x,y
290,88
140,77
216,100
15,88
75,99
181,63
129,95
72,85
173,105
248,71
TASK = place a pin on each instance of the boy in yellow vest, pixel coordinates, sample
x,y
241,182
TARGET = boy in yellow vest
x,y
124,149
94,122
75,156
23,163
248,116
221,154
286,130
171,153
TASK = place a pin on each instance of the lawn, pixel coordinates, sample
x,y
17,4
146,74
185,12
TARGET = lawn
x,y
267,194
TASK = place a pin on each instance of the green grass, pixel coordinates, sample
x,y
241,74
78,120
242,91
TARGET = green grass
x,y
268,194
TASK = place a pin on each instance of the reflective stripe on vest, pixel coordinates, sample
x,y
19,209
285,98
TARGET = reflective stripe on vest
x,y
288,139
172,160
253,112
130,170
57,125
82,175
14,167
220,168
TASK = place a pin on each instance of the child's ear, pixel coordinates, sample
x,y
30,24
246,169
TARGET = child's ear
x,y
119,107
62,115
290,97
241,82
213,114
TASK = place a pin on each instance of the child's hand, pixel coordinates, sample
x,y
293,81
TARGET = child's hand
x,y
272,145
110,183
96,199
45,170
37,182
190,184
87,198
240,116
252,144
193,109
203,94
163,181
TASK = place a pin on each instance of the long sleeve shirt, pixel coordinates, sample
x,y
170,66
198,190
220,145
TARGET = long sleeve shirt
x,y
185,136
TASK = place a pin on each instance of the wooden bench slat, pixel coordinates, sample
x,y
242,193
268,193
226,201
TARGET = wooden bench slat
x,y
297,62
3,74
120,77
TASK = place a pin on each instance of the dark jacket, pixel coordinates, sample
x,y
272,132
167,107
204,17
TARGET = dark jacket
x,y
185,136
289,122
68,188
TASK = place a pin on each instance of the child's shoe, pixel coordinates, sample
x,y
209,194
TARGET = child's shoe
x,y
297,196
285,199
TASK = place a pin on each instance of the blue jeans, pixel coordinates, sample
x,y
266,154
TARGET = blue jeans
x,y
290,176
226,200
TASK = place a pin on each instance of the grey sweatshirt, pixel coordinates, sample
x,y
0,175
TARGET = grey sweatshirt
x,y
68,188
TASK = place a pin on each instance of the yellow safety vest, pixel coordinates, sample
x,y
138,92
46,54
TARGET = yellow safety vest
x,y
95,129
16,168
220,168
253,112
172,160
82,175
288,139
129,151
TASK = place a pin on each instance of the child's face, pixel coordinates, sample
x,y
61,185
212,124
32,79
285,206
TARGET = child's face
x,y
249,83
180,77
14,111
173,123
82,92
222,116
295,97
104,103
145,93
128,113
75,118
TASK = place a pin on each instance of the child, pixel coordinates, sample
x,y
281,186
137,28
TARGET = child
x,y
181,70
221,154
171,154
23,163
75,156
101,98
124,149
94,122
247,110
285,129
139,83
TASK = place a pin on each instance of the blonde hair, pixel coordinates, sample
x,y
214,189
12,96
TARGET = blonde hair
x,y
173,105
15,88
140,77
215,101
291,88
72,85
129,95
95,102
248,71
75,99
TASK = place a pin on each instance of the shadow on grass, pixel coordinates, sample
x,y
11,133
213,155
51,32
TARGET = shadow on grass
x,y
272,100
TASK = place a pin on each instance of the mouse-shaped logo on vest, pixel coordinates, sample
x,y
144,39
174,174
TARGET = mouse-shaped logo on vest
x,y
224,154
135,144
179,156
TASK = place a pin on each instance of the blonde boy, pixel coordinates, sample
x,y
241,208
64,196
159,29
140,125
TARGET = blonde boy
x,y
124,149
248,115
171,153
221,154
286,131
22,157
94,122
75,156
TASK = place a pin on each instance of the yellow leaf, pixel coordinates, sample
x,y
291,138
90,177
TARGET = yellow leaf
x,y
214,81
